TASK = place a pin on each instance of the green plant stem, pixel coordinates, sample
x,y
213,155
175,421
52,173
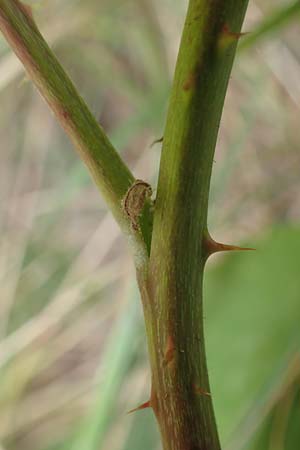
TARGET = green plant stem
x,y
105,165
172,292
171,281
272,23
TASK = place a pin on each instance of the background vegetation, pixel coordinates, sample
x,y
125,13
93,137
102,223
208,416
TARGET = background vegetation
x,y
73,353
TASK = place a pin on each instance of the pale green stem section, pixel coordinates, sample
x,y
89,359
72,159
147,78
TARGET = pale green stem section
x,y
106,167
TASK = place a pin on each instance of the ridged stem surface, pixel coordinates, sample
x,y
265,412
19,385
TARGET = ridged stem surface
x,y
173,289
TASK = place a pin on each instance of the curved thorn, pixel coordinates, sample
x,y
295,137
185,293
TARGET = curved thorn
x,y
156,141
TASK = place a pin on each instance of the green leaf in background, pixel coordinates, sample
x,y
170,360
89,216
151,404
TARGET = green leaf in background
x,y
281,431
253,315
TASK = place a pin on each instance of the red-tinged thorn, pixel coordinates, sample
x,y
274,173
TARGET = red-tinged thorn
x,y
211,246
142,406
226,31
201,391
225,248
228,37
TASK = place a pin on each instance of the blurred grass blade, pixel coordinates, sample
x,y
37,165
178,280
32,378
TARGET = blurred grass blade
x,y
116,360
286,376
11,67
271,24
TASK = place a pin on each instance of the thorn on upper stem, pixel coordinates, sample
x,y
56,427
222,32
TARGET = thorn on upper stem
x,y
228,37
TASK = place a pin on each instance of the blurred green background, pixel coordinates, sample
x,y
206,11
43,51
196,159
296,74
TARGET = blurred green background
x,y
73,356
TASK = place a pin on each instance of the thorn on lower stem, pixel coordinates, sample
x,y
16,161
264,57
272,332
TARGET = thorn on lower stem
x,y
142,406
210,246
201,391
